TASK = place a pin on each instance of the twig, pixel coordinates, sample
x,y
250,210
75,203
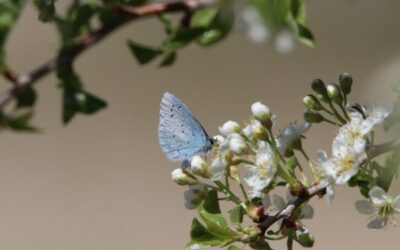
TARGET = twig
x,y
125,15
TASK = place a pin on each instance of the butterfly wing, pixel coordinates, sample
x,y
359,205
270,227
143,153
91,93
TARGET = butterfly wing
x,y
181,136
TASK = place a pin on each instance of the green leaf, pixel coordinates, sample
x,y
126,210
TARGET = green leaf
x,y
236,215
183,38
26,97
201,237
233,248
389,171
46,9
144,54
304,35
169,59
75,98
20,122
210,213
204,17
9,13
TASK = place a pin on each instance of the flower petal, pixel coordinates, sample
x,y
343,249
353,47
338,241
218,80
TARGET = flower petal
x,y
278,202
378,223
396,204
266,201
365,207
330,194
308,212
378,196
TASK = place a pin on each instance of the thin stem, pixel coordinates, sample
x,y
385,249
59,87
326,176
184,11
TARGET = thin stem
x,y
344,112
310,164
337,115
232,196
331,122
243,191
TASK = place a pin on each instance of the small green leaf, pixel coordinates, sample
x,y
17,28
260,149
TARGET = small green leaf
x,y
144,54
46,9
20,122
210,213
169,59
26,98
304,35
203,17
233,248
236,215
183,37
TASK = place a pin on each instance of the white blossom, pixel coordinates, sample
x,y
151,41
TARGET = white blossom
x,y
260,111
289,135
285,42
261,175
181,178
237,144
218,168
199,166
381,206
375,113
229,127
256,30
346,161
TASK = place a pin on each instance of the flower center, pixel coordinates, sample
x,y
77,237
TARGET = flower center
x,y
347,164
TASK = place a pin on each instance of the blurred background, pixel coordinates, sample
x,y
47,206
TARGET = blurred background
x,y
103,183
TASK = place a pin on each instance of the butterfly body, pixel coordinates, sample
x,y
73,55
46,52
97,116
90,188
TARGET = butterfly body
x,y
181,135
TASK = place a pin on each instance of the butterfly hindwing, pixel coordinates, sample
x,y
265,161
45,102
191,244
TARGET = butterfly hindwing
x,y
181,136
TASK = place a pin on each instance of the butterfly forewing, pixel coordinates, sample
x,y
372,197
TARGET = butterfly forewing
x,y
180,134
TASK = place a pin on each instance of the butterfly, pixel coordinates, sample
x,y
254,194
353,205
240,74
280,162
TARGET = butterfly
x,y
180,134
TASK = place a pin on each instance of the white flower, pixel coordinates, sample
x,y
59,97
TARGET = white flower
x,y
229,127
284,42
289,135
199,166
181,178
218,168
219,139
327,170
354,133
194,195
306,211
381,206
346,161
253,129
256,30
237,144
261,175
375,113
261,112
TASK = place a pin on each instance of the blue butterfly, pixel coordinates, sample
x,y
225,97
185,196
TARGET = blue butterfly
x,y
180,134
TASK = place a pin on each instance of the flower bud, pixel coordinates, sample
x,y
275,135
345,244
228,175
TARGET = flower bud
x,y
237,145
199,167
218,167
334,93
313,117
345,81
319,87
182,178
261,112
312,103
304,238
229,127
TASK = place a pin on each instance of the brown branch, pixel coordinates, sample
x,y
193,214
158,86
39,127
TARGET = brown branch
x,y
125,15
288,211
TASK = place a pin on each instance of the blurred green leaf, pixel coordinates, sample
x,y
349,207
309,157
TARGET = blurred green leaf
x,y
19,122
202,238
204,17
76,99
389,171
182,38
233,248
169,59
143,53
236,215
9,13
46,9
26,97
209,211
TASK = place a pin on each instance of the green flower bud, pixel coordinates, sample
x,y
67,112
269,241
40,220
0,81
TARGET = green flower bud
x,y
319,87
345,81
305,238
312,103
182,178
313,117
334,93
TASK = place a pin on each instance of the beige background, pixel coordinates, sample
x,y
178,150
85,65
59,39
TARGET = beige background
x,y
102,183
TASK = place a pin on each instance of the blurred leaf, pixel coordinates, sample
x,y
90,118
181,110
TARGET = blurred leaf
x,y
363,181
26,97
76,99
167,22
389,171
210,213
204,17
168,60
201,237
46,9
143,53
233,248
20,122
304,35
183,37
9,13
236,215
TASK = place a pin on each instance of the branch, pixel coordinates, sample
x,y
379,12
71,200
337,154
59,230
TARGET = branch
x,y
288,211
125,15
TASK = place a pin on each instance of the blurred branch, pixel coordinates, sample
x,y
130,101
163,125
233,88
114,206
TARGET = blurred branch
x,y
124,15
